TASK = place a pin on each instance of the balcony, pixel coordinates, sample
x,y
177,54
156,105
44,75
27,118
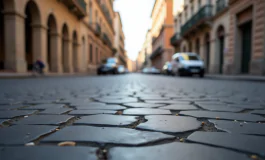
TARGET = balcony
x,y
220,6
98,30
106,13
198,20
106,40
156,53
78,7
175,39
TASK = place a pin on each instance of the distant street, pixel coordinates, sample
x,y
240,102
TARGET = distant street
x,y
131,117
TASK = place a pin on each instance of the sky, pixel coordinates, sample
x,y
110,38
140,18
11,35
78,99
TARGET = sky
x,y
135,16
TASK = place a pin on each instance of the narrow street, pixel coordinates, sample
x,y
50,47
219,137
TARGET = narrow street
x,y
130,117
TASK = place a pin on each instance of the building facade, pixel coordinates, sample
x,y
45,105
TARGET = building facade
x,y
67,35
119,40
161,31
216,30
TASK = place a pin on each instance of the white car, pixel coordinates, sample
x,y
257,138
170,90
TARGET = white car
x,y
187,64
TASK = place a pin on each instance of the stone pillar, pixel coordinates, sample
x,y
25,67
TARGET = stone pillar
x,y
39,42
56,53
15,42
67,56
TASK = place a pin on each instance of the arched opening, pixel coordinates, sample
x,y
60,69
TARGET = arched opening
x,y
2,39
32,18
83,52
51,46
198,46
184,49
65,48
221,43
207,51
75,51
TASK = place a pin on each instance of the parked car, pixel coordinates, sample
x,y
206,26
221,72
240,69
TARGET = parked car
x,y
109,66
121,69
151,70
167,69
187,64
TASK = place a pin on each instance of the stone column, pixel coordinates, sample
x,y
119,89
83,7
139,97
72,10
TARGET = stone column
x,y
39,42
15,42
56,53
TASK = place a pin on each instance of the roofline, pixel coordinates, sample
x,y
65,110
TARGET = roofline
x,y
153,8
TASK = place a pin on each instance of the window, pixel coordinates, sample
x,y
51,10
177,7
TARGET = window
x,y
199,3
90,52
90,14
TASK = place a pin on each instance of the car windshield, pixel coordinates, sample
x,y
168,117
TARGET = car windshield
x,y
189,57
111,60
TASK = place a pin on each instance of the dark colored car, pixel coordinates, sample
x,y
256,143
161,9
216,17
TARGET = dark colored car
x,y
110,66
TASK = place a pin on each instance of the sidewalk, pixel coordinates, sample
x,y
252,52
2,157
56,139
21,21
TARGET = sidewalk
x,y
236,77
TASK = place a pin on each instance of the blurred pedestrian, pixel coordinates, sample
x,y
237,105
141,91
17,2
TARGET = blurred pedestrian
x,y
39,66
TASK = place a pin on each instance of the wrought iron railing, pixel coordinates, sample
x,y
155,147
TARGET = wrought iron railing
x,y
175,39
220,5
203,13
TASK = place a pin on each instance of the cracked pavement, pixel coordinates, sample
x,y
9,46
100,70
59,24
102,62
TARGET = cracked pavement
x,y
133,116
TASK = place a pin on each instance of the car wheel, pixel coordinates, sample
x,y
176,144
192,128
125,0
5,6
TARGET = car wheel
x,y
201,75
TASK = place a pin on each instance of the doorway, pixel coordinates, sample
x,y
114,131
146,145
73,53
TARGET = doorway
x,y
2,40
221,42
246,31
207,51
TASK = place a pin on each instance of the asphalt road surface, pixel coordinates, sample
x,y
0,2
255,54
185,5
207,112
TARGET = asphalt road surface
x,y
131,117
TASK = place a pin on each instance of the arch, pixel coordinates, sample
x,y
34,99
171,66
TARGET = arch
x,y
2,38
32,14
65,48
75,51
51,42
198,46
220,34
207,51
83,52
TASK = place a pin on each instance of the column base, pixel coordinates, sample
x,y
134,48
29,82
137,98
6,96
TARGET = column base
x,y
19,66
257,67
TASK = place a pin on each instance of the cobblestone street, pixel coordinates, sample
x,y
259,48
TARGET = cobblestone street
x,y
131,117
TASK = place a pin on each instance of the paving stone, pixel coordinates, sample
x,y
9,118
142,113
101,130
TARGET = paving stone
x,y
239,127
142,105
221,108
10,107
102,107
43,106
223,115
154,98
145,111
3,121
45,119
56,111
173,151
173,124
179,107
117,101
105,135
48,153
22,134
240,142
9,102
80,103
260,112
40,101
14,113
210,103
246,106
101,119
169,102
90,112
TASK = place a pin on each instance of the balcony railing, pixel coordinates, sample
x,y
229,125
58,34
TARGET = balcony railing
x,y
157,52
175,39
98,30
78,7
106,40
220,5
203,14
107,14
